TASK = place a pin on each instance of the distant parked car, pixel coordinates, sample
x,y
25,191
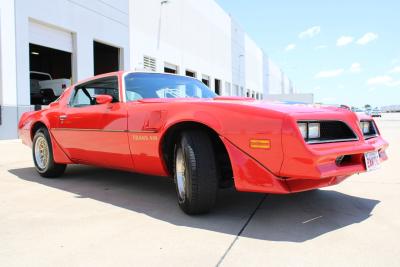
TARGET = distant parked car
x,y
376,112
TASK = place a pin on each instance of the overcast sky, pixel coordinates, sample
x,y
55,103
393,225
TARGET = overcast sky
x,y
343,51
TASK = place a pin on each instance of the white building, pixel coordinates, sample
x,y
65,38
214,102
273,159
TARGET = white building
x,y
64,38
183,37
200,39
73,40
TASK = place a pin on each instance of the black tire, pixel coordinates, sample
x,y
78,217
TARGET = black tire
x,y
51,169
201,176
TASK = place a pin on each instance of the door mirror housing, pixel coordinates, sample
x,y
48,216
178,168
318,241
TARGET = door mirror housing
x,y
103,99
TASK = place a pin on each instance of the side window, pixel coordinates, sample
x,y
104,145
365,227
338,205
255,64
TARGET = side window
x,y
81,98
84,94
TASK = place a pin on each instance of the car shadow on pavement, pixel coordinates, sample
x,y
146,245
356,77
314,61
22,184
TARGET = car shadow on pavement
x,y
294,218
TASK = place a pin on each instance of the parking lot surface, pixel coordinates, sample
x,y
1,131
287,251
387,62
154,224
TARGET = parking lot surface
x,y
98,217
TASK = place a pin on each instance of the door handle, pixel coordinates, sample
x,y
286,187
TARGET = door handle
x,y
63,117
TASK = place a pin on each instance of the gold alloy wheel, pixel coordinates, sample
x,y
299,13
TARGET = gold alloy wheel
x,y
41,152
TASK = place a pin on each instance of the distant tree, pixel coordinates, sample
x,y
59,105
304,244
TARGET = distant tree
x,y
367,106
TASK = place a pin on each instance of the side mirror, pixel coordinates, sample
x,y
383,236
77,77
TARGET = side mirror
x,y
103,99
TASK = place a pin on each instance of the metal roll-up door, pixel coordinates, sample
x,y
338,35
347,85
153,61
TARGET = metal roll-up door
x,y
49,36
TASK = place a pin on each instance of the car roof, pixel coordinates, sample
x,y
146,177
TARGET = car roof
x,y
123,73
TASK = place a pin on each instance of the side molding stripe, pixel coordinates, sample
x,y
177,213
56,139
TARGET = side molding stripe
x,y
100,130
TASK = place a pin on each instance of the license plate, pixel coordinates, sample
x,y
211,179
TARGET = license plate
x,y
372,160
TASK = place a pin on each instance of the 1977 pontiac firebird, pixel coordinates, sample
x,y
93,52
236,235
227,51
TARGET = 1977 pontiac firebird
x,y
169,125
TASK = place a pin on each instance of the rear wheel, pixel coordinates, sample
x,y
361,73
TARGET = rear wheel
x,y
43,155
195,172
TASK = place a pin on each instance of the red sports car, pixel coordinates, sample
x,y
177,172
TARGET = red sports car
x,y
169,125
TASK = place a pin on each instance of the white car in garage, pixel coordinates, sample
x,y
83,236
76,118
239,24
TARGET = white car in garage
x,y
45,89
46,81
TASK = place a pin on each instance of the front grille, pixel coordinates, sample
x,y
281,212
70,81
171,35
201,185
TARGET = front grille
x,y
333,131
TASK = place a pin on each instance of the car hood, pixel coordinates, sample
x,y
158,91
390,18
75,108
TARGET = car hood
x,y
281,107
251,103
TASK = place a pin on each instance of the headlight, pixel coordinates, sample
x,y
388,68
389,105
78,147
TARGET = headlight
x,y
313,130
309,130
303,129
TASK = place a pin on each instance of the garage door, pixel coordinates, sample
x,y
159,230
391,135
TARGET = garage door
x,y
48,36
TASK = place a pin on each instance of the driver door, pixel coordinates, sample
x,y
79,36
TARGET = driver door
x,y
92,133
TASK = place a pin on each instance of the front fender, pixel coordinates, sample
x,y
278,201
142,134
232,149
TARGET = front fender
x,y
240,126
28,123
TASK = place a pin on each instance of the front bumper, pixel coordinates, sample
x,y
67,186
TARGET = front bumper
x,y
305,167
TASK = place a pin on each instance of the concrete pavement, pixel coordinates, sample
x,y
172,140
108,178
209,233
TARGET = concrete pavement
x,y
97,217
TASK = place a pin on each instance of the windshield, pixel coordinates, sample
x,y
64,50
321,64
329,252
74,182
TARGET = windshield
x,y
152,85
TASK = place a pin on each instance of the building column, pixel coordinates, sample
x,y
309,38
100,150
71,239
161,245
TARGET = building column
x,y
83,60
8,81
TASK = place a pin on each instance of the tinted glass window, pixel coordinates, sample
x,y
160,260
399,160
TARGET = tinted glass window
x,y
151,85
84,95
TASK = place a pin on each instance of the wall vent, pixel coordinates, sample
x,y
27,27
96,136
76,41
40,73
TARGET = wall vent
x,y
149,63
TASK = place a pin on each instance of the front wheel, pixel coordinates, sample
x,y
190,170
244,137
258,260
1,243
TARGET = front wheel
x,y
43,156
195,172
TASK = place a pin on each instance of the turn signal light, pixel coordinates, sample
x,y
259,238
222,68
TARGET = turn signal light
x,y
260,143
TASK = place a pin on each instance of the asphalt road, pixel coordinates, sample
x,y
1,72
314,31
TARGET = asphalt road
x,y
98,217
